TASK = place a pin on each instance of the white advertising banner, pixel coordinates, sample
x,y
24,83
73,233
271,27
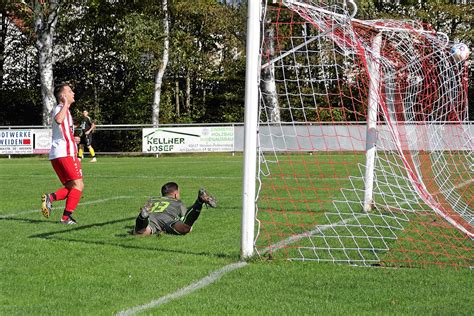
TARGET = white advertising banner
x,y
14,141
188,139
42,141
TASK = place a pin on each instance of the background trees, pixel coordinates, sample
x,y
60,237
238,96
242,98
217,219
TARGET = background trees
x,y
112,49
37,20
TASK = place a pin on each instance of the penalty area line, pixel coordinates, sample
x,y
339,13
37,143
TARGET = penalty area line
x,y
318,230
214,276
211,278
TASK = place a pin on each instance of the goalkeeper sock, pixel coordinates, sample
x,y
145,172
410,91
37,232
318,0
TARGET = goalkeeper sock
x,y
140,223
59,195
73,199
92,152
193,213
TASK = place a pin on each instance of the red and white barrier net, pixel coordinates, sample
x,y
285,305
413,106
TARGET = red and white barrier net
x,y
366,151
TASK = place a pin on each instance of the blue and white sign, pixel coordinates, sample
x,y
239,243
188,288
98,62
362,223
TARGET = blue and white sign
x,y
16,141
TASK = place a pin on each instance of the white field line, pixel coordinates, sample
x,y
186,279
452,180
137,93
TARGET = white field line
x,y
83,203
193,160
214,276
186,177
458,186
133,177
316,231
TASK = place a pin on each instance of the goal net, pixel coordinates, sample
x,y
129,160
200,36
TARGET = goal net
x,y
365,147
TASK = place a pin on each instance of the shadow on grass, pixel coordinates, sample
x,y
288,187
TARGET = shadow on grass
x,y
59,235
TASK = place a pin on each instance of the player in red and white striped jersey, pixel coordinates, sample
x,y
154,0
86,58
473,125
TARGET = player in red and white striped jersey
x,y
63,157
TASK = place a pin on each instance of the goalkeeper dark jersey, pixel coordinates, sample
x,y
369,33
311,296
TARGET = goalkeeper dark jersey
x,y
77,131
86,124
165,212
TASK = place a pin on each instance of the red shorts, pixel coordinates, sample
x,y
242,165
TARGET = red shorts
x,y
67,168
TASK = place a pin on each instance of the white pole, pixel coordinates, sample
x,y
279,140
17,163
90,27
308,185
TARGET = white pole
x,y
373,63
250,128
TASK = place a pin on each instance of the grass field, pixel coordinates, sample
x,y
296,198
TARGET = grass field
x,y
97,268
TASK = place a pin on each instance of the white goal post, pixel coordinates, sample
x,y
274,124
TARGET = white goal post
x,y
250,130
372,150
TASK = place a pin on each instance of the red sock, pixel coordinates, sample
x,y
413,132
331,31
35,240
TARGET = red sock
x,y
60,194
73,199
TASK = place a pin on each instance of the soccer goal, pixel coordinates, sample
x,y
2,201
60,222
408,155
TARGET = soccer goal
x,y
364,150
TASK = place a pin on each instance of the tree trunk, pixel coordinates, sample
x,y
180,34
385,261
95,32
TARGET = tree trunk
x,y
268,86
188,91
204,94
177,97
45,24
3,34
162,69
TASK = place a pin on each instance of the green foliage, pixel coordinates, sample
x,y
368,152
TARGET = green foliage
x,y
367,9
330,115
111,50
19,106
205,46
442,15
140,41
167,110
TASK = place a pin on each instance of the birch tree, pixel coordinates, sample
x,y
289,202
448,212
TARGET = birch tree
x,y
162,68
3,34
46,17
39,19
268,84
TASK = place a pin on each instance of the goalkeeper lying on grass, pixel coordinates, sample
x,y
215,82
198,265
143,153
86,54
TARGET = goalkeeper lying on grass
x,y
167,214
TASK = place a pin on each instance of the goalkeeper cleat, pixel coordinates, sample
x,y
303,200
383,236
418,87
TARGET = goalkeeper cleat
x,y
46,205
68,221
206,198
